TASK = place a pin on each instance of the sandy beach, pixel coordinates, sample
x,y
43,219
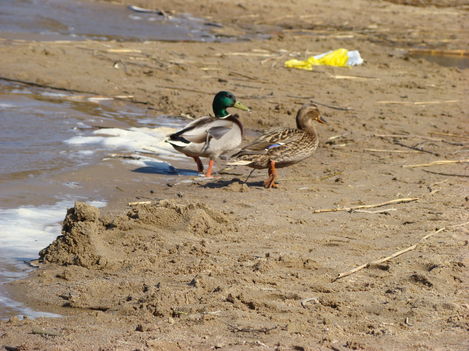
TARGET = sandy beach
x,y
223,264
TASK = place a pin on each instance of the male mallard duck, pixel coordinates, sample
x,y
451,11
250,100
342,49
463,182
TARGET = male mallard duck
x,y
282,147
211,136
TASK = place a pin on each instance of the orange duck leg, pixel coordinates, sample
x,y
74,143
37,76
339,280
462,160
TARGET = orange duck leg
x,y
270,182
210,169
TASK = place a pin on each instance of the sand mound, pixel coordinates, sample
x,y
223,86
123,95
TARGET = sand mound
x,y
79,243
165,241
196,217
89,240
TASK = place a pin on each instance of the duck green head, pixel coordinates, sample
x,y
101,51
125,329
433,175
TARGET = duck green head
x,y
222,101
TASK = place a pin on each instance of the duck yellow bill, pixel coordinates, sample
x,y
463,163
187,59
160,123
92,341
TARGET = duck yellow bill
x,y
241,106
322,120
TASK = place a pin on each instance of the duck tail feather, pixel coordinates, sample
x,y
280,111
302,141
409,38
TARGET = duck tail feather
x,y
239,162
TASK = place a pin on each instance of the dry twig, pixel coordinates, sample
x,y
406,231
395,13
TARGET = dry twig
x,y
396,151
353,208
439,52
258,54
320,103
336,76
450,134
305,301
416,148
251,330
45,332
434,163
135,203
447,174
433,102
397,253
377,211
417,136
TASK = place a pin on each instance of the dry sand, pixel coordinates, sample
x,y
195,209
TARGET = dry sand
x,y
224,265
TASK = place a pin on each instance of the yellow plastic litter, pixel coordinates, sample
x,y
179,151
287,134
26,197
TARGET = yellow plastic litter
x,y
339,57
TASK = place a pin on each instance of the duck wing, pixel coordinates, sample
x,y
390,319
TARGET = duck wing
x,y
273,139
201,130
195,132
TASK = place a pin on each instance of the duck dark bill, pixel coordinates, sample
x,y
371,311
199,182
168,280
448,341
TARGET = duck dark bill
x,y
321,120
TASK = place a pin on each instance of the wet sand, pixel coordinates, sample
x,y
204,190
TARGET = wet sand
x,y
219,264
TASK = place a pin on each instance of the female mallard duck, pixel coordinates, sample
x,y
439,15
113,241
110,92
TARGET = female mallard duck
x,y
211,136
282,147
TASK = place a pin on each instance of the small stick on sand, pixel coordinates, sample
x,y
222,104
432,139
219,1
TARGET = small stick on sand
x,y
351,77
135,203
447,174
305,301
450,134
245,54
396,151
377,211
359,268
434,163
417,136
439,52
233,73
418,102
397,253
252,330
45,332
351,209
416,148
320,103
332,106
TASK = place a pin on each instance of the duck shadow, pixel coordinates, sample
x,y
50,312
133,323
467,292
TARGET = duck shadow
x,y
164,168
223,183
156,167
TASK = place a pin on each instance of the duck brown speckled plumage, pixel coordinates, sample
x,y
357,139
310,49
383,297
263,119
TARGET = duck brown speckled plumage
x,y
282,147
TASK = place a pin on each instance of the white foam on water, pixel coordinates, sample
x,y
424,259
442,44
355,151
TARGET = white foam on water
x,y
25,230
52,94
99,98
164,122
134,139
86,152
135,17
83,140
5,106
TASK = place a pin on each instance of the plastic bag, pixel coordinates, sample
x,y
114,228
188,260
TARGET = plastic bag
x,y
339,57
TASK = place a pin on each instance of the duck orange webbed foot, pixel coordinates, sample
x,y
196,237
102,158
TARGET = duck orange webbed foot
x,y
268,184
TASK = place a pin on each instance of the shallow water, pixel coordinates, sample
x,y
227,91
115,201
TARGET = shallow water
x,y
45,131
78,20
47,134
24,231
